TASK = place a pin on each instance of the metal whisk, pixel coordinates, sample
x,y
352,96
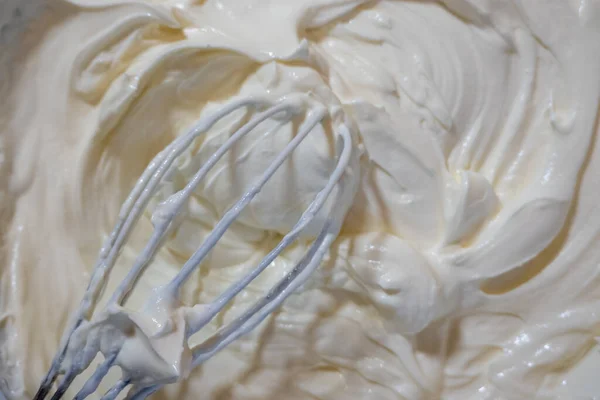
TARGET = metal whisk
x,y
92,333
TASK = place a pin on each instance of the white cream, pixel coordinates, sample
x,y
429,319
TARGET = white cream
x,y
467,266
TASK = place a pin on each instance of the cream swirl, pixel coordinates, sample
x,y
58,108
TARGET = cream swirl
x,y
466,267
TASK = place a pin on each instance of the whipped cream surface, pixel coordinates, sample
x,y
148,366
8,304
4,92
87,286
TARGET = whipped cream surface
x,y
466,267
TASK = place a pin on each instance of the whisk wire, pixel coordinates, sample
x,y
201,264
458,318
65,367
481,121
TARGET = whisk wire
x,y
129,214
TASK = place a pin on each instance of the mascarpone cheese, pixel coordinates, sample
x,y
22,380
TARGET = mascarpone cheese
x,y
467,267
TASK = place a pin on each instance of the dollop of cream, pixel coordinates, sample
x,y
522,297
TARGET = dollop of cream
x,y
465,269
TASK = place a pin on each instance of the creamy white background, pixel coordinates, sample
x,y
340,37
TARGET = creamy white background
x,y
583,384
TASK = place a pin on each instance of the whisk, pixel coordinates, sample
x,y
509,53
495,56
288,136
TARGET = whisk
x,y
92,333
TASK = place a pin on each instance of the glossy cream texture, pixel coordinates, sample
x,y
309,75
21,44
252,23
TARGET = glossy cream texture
x,y
467,267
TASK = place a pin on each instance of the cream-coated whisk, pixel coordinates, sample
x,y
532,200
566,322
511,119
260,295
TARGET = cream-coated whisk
x,y
109,331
